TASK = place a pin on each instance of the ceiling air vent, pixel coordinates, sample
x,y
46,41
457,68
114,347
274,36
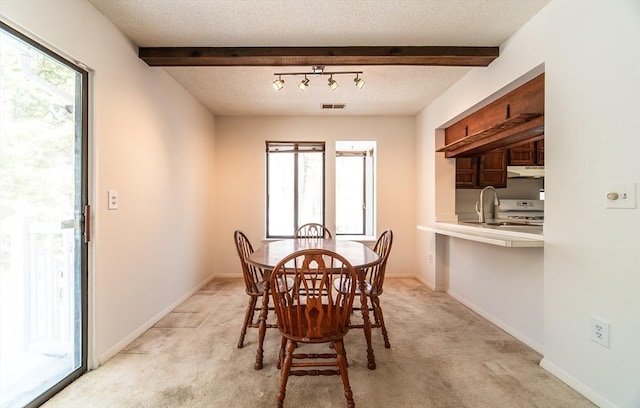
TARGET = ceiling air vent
x,y
333,106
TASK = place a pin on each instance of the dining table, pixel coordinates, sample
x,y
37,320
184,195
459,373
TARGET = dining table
x,y
269,255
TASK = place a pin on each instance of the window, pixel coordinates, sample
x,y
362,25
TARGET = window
x,y
355,188
295,186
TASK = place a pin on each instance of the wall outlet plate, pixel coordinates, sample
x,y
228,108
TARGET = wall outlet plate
x,y
621,195
600,331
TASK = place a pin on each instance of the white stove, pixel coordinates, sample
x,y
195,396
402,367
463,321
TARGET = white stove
x,y
520,211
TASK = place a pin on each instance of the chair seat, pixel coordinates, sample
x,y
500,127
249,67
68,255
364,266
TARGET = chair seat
x,y
346,286
281,286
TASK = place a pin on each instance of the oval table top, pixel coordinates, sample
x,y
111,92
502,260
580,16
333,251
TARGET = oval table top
x,y
357,253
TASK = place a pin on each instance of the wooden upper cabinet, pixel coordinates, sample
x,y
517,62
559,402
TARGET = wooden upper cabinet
x,y
540,152
490,169
527,154
493,169
467,172
523,155
508,130
514,118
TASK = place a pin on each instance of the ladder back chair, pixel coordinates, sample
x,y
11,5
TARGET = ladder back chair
x,y
312,230
253,282
310,310
373,285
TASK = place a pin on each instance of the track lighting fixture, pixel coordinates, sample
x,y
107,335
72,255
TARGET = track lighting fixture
x,y
278,84
332,84
304,83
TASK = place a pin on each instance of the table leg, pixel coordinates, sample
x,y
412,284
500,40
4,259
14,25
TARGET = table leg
x,y
367,323
262,326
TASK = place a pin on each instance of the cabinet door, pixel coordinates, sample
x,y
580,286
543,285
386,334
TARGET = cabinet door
x,y
493,169
467,172
523,155
540,152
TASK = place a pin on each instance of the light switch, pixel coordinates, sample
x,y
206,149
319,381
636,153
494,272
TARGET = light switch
x,y
113,199
621,195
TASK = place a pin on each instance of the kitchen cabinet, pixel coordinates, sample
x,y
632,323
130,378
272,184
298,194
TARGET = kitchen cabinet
x,y
467,172
527,154
540,152
490,169
513,119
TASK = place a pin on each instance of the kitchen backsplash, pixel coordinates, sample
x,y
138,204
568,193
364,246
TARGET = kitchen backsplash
x,y
519,188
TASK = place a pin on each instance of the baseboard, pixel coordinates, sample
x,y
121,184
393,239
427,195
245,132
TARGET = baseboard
x,y
400,276
504,326
425,282
103,358
226,275
575,384
235,275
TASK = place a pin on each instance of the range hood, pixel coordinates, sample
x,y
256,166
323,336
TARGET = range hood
x,y
525,171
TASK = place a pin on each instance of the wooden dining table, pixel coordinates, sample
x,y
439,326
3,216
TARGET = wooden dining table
x,y
359,256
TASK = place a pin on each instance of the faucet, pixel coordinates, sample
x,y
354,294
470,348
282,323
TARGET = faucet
x,y
480,211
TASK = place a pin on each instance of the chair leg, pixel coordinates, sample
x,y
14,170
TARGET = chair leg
x,y
286,368
283,344
342,366
376,318
248,318
262,329
378,312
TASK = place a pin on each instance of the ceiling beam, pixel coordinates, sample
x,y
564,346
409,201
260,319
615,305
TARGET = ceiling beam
x,y
300,56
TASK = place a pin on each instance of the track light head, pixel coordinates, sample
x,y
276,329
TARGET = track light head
x,y
359,81
304,84
332,83
278,84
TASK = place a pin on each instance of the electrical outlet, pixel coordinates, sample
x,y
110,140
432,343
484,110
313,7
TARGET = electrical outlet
x,y
600,331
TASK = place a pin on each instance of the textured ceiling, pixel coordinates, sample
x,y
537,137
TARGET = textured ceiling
x,y
389,90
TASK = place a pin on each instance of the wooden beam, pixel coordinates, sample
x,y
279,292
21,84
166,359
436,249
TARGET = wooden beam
x,y
300,56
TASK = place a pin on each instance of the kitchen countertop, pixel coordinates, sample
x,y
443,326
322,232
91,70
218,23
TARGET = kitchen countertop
x,y
514,236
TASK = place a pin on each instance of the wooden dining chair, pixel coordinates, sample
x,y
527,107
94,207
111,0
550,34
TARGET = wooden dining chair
x,y
313,311
254,284
373,285
312,230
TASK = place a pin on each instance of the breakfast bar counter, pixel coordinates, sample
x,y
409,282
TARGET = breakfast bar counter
x,y
512,236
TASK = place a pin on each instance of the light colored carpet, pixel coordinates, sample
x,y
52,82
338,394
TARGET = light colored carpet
x,y
442,355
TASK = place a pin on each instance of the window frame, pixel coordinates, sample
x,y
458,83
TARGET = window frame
x,y
363,156
295,147
368,187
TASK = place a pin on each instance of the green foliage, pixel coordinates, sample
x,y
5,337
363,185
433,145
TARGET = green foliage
x,y
37,142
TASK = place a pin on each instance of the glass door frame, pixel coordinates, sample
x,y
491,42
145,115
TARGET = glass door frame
x,y
83,212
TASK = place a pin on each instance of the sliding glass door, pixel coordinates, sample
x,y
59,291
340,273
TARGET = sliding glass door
x,y
43,204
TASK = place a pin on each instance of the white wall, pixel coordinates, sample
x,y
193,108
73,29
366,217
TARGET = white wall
x,y
591,56
154,144
240,188
504,285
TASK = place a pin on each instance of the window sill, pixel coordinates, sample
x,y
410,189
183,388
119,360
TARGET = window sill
x,y
358,238
365,239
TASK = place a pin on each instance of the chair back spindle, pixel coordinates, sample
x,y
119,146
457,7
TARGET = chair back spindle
x,y
312,230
